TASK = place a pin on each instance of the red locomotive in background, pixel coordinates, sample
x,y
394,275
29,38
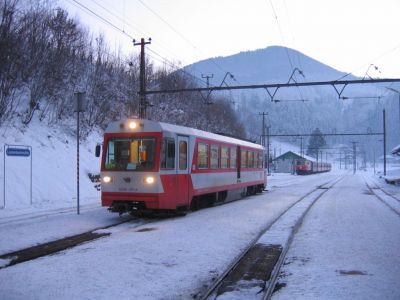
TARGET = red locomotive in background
x,y
305,167
155,166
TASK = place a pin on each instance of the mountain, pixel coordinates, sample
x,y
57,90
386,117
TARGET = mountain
x,y
264,66
302,109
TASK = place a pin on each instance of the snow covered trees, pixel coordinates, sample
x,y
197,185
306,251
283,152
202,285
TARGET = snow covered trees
x,y
46,56
315,143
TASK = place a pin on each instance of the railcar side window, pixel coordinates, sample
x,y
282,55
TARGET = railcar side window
x,y
255,160
130,154
224,157
243,158
260,160
202,156
250,159
168,154
182,155
214,158
233,158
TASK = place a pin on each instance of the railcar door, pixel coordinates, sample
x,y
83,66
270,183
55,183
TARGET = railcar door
x,y
183,170
238,162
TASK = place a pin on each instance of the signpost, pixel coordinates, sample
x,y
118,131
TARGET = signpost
x,y
16,151
80,103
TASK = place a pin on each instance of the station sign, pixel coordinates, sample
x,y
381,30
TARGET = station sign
x,y
18,152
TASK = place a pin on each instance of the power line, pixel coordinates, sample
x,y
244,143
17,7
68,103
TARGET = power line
x,y
109,23
178,33
281,33
284,43
101,18
134,27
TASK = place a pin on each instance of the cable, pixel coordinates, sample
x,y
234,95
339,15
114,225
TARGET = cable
x,y
284,42
376,58
281,33
134,27
178,33
107,22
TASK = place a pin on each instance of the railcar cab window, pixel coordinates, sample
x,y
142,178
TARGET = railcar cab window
x,y
168,154
134,154
202,156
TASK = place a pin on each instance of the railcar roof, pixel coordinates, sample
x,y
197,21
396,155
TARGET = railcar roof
x,y
152,126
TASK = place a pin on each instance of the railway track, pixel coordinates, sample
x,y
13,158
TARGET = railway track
x,y
30,253
389,200
254,272
48,213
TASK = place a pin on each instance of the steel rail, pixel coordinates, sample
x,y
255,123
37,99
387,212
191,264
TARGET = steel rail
x,y
215,285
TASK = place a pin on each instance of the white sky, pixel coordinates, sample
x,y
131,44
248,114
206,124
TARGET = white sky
x,y
348,35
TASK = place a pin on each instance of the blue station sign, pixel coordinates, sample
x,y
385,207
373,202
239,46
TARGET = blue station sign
x,y
18,152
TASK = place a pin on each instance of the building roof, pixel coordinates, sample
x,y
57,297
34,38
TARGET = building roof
x,y
295,155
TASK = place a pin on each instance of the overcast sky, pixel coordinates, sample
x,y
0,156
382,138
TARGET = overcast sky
x,y
348,35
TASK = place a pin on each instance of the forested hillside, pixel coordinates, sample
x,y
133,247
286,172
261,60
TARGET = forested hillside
x,y
46,56
302,110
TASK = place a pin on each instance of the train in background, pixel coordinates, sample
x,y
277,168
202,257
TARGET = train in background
x,y
154,166
306,167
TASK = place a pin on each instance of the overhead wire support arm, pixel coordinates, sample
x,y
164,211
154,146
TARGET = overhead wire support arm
x,y
274,85
272,96
341,91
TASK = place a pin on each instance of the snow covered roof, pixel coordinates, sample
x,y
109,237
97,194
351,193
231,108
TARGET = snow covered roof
x,y
152,126
306,157
396,150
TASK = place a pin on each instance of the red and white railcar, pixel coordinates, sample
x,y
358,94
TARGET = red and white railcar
x,y
149,165
306,167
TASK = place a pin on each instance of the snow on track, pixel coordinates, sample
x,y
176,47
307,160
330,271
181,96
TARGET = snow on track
x,y
347,248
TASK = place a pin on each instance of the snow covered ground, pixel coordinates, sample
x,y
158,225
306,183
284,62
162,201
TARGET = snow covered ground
x,y
347,248
53,169
174,258
165,259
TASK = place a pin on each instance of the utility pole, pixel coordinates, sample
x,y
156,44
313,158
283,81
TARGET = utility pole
x,y
354,157
207,77
208,102
301,146
268,149
142,91
384,142
398,93
263,114
79,107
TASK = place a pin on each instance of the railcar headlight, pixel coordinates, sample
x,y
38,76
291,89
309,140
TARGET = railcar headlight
x,y
107,179
149,180
132,125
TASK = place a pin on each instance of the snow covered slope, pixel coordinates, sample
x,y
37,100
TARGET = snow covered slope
x,y
54,179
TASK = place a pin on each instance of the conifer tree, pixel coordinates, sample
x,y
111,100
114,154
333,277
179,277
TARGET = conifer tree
x,y
315,143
